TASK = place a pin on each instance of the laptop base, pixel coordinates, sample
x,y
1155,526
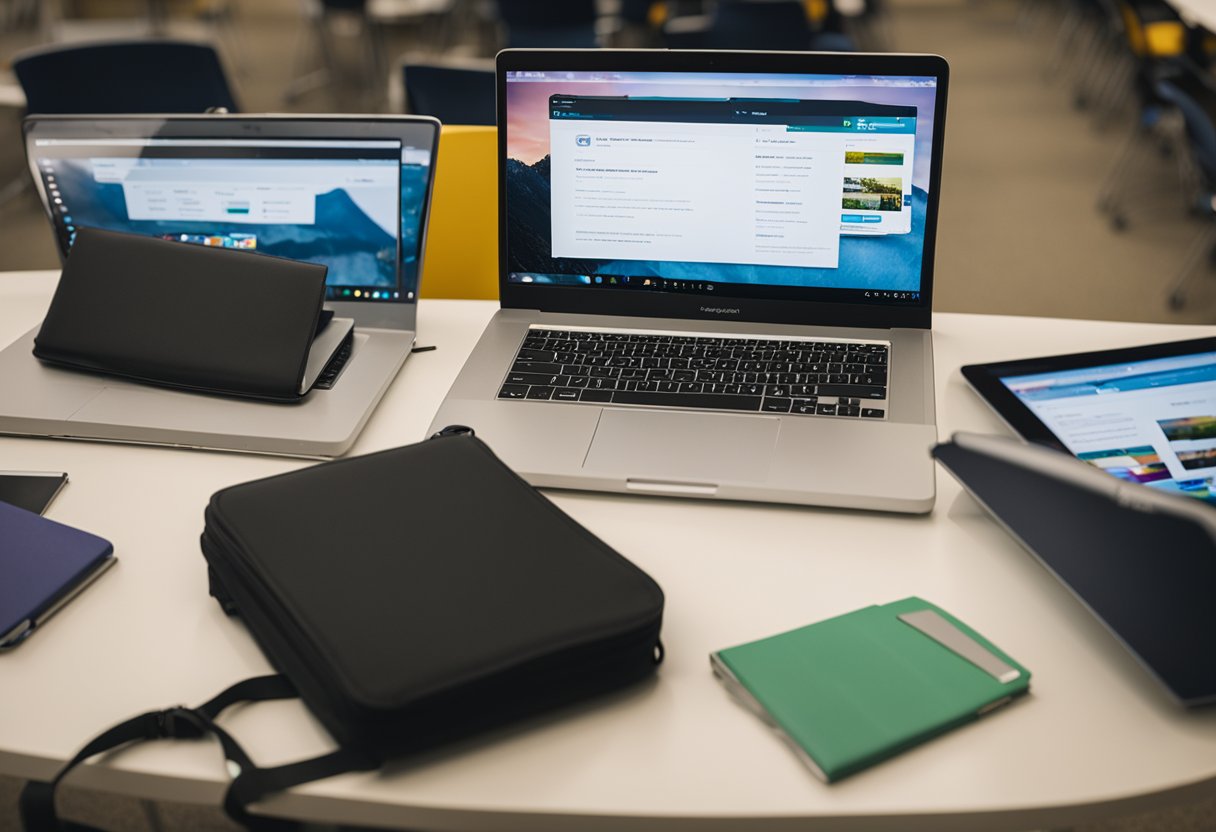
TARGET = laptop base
x,y
63,404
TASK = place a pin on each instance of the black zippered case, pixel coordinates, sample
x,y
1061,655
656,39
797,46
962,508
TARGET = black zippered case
x,y
410,597
427,592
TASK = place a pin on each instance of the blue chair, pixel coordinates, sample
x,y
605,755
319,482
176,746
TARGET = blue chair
x,y
1197,106
544,24
452,94
771,24
141,76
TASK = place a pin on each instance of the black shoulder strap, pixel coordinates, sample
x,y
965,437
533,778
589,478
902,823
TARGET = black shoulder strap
x,y
249,783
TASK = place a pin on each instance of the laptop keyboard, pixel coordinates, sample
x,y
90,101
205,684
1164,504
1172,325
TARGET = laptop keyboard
x,y
329,376
806,377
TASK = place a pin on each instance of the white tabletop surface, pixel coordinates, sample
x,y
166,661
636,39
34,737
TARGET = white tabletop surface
x,y
1095,737
1197,12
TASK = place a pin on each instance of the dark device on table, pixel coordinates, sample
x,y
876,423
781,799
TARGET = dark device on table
x,y
1142,561
43,566
31,490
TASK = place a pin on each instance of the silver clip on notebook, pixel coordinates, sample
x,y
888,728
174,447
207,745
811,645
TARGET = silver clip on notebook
x,y
958,642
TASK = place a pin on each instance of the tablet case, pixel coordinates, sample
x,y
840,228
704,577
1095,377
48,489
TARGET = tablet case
x,y
1147,572
43,564
182,315
851,691
409,597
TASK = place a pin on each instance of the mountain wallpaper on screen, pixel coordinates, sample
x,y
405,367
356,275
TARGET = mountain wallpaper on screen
x,y
343,237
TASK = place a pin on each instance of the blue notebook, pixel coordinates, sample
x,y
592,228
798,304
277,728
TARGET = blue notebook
x,y
43,565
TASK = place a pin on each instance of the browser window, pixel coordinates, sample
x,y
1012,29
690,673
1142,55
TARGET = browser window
x,y
1151,422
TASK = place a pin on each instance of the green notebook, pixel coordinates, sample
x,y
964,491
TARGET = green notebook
x,y
853,690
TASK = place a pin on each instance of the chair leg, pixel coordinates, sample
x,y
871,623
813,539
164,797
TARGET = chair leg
x,y
1114,188
1070,30
1094,66
1204,245
1114,91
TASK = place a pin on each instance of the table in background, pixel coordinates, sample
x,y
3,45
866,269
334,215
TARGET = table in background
x,y
1196,12
1096,736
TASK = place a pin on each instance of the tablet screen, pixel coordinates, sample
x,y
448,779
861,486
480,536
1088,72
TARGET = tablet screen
x,y
1150,421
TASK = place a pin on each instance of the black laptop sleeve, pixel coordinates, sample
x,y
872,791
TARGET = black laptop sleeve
x,y
410,598
186,316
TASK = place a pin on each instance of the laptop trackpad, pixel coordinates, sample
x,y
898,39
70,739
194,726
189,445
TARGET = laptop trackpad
x,y
680,446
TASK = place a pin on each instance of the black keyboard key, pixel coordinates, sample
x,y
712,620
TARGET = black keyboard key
x,y
860,390
512,391
806,407
776,405
872,412
532,378
329,376
847,410
702,400
536,355
565,395
549,368
536,391
595,396
825,409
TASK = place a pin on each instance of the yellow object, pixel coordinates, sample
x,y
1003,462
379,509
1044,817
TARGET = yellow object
x,y
1154,39
461,257
816,10
1165,39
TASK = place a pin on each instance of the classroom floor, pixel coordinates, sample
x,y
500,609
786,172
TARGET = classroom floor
x,y
1018,231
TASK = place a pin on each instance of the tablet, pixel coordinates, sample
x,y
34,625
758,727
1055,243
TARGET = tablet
x,y
1092,533
1143,414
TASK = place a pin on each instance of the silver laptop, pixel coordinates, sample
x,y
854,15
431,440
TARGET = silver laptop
x,y
716,276
351,193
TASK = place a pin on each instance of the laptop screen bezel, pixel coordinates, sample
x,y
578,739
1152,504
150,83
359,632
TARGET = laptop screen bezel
x,y
579,300
392,314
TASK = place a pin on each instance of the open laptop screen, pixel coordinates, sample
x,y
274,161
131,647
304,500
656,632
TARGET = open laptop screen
x,y
354,205
761,185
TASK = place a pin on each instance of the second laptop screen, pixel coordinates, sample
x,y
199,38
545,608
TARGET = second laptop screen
x,y
772,185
